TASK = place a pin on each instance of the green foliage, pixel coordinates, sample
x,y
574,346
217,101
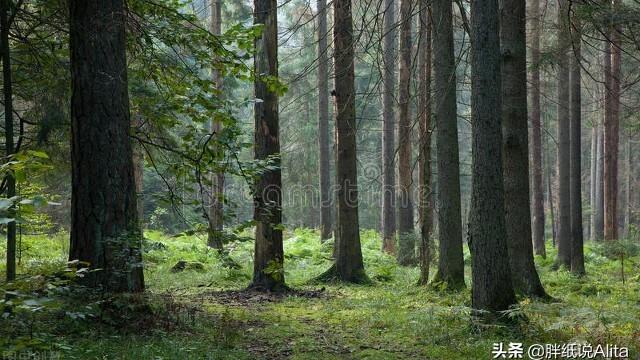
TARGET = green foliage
x,y
184,315
174,101
27,301
617,249
22,208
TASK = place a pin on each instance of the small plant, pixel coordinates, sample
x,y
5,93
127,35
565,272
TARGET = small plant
x,y
619,250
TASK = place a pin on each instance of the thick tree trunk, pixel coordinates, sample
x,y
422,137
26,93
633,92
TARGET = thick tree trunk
x,y
323,124
424,119
536,135
564,199
216,206
575,184
451,262
406,234
515,148
492,288
8,132
349,265
104,220
611,138
388,132
268,268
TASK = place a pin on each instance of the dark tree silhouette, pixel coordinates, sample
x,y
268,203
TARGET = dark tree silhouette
x,y
268,270
104,218
451,262
516,148
492,290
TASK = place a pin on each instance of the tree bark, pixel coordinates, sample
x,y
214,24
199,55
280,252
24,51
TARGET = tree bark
x,y
564,176
575,184
388,132
138,174
216,206
592,180
536,137
349,266
323,124
424,119
599,205
492,288
552,220
451,262
634,199
104,220
611,137
515,147
268,269
8,133
629,188
406,234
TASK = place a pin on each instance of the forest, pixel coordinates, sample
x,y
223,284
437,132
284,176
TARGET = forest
x,y
320,179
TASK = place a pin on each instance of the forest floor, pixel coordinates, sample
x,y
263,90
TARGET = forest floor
x,y
203,312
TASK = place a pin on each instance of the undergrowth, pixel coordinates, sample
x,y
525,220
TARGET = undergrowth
x,y
201,312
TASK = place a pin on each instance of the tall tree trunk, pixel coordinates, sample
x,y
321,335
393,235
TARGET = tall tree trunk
x,y
349,265
592,180
552,218
629,189
323,123
335,161
515,149
216,206
424,119
8,132
634,200
536,137
611,137
492,289
406,234
268,268
599,206
138,173
577,237
548,170
104,220
451,262
388,132
564,199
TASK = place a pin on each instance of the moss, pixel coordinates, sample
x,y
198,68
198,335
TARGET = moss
x,y
331,275
392,319
184,265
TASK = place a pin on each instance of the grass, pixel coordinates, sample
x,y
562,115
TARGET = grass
x,y
203,314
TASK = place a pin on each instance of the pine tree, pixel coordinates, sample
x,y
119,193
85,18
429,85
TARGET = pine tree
x,y
349,265
537,193
516,148
451,262
406,234
388,214
268,267
323,123
104,221
492,290
564,199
